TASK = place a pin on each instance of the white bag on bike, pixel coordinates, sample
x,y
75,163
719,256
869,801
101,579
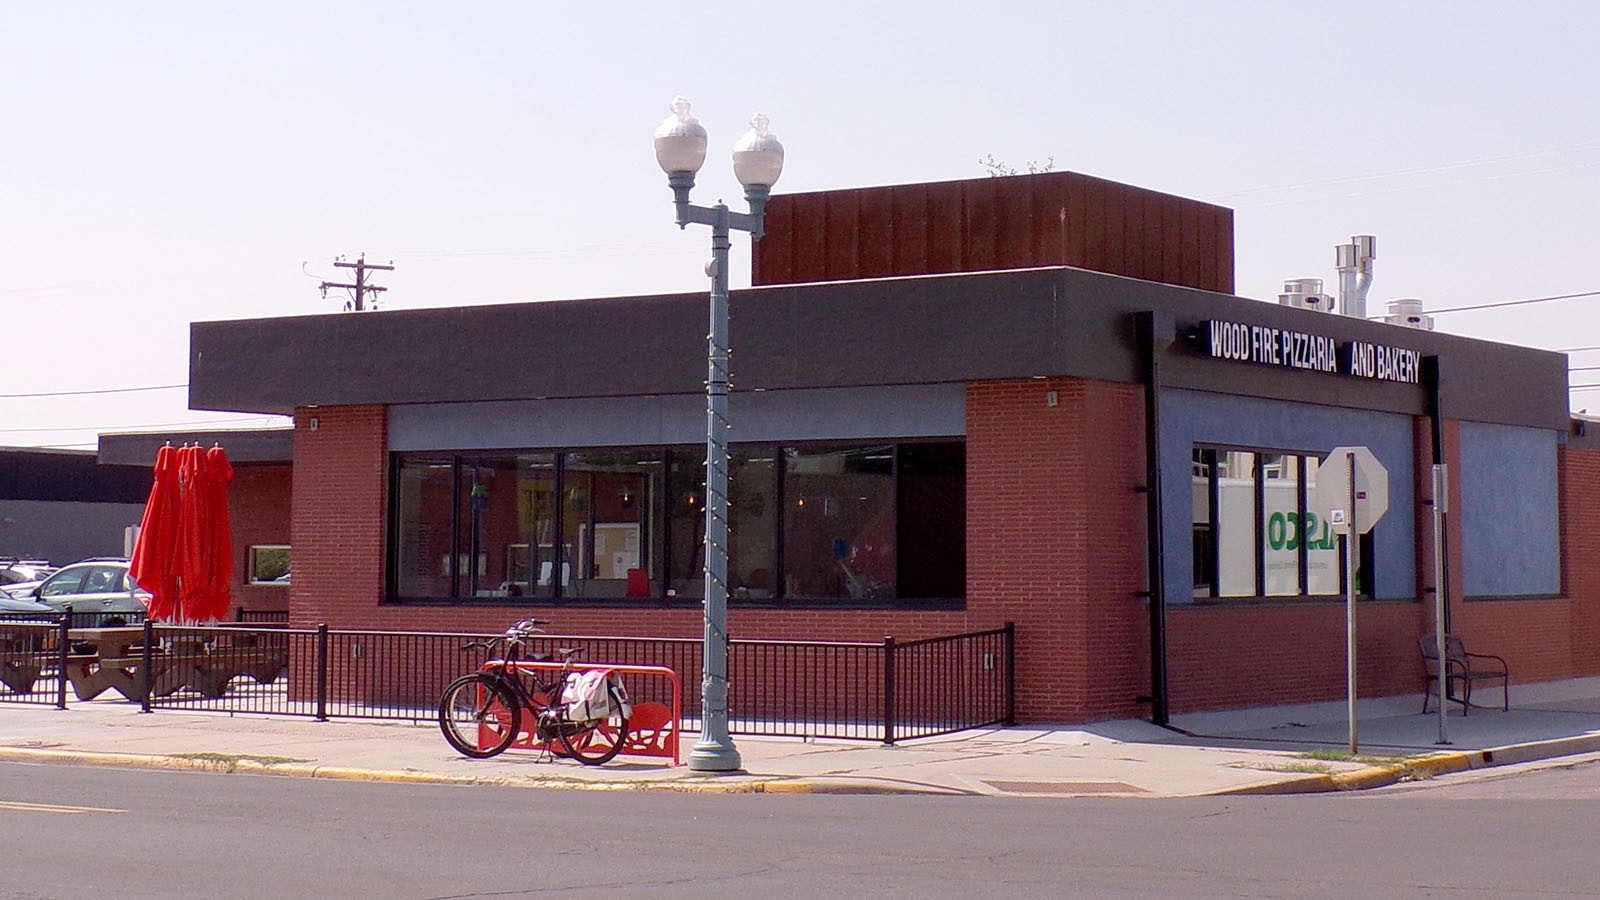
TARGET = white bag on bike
x,y
586,696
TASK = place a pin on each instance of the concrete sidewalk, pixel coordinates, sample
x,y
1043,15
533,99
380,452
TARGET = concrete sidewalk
x,y
1254,751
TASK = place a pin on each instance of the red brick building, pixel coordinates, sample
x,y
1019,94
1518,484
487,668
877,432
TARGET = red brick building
x,y
1028,400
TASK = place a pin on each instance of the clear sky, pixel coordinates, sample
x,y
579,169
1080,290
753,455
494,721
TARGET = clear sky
x,y
170,162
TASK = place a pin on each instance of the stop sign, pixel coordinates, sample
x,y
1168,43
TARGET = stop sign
x,y
1334,495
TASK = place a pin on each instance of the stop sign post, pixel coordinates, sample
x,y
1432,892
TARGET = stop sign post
x,y
1352,495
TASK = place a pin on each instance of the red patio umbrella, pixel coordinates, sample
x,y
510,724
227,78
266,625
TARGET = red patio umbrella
x,y
218,474
154,563
205,541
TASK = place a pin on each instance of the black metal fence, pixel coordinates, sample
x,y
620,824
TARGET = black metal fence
x,y
883,691
262,616
33,652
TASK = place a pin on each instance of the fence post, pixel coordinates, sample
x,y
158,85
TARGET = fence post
x,y
888,689
1011,673
322,672
146,683
64,646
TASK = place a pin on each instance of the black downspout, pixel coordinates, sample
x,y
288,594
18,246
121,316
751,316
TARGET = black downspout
x,y
1153,329
1431,379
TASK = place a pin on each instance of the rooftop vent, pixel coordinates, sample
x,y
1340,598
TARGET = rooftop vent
x,y
1354,262
1407,312
1305,293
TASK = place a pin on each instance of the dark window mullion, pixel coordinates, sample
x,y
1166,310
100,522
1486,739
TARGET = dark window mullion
x,y
1303,558
1214,500
558,542
780,583
1258,477
455,528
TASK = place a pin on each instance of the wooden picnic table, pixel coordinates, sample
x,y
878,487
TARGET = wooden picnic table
x,y
113,658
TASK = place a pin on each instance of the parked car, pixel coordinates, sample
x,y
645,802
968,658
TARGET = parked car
x,y
100,587
18,577
12,607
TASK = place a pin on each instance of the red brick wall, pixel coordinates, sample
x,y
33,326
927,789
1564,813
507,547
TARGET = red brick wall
x,y
258,513
1260,654
337,527
1056,540
1579,473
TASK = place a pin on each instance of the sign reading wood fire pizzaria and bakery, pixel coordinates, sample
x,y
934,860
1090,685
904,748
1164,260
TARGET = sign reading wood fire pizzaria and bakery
x,y
1287,348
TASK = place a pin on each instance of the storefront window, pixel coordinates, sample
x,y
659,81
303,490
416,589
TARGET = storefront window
x,y
686,524
752,517
609,544
1255,534
1280,500
1323,565
827,523
839,523
424,496
1235,488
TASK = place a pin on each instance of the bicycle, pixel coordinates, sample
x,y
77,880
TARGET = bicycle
x,y
481,713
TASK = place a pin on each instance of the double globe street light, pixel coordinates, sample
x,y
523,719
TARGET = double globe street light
x,y
757,162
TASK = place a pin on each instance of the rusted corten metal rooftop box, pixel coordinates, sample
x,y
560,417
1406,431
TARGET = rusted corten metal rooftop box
x,y
1009,222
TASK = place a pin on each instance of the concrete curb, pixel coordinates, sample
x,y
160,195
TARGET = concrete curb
x,y
234,764
1423,767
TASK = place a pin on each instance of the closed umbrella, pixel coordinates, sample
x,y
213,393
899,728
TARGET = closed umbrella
x,y
205,542
217,474
154,563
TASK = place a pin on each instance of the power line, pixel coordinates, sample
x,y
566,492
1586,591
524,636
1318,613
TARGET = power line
x,y
156,387
1419,170
1517,303
106,428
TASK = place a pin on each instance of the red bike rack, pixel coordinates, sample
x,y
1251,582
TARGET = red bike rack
x,y
653,729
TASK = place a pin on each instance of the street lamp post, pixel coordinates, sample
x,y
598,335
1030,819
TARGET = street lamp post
x,y
757,162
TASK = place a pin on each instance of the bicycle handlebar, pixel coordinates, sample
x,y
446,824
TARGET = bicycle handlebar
x,y
524,628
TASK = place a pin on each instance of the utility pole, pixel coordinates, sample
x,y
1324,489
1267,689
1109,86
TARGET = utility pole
x,y
360,287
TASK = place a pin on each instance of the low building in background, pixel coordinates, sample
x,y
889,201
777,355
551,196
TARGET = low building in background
x,y
1030,399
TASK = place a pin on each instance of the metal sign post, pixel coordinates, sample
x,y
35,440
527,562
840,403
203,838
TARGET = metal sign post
x,y
1441,504
1350,541
1352,495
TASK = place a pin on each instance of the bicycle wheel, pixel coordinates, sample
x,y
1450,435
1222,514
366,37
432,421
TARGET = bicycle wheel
x,y
597,741
478,716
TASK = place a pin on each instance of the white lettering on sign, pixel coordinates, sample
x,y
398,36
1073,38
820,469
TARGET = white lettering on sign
x,y
1383,363
1271,346
1291,349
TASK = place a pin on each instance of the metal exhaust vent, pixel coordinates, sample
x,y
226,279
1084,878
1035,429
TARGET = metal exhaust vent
x,y
1407,312
1305,293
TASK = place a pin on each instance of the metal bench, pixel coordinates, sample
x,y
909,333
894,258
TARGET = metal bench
x,y
1461,669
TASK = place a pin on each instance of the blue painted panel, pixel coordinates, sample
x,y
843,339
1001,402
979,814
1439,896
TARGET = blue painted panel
x,y
1195,417
1509,515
